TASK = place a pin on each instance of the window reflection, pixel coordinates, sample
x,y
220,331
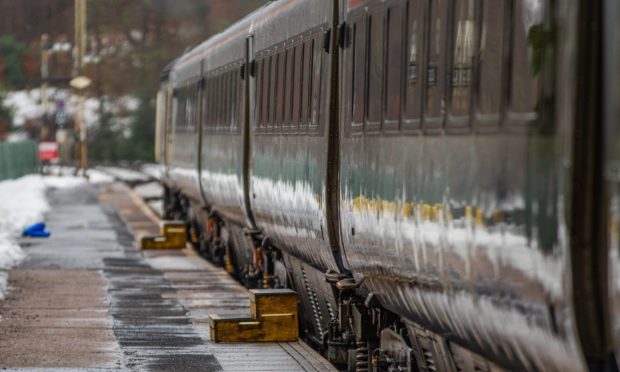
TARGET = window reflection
x,y
462,58
528,40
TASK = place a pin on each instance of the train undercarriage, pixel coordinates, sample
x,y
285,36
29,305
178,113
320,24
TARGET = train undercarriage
x,y
337,318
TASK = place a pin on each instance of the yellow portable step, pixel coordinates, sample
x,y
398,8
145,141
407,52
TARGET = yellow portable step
x,y
273,318
173,235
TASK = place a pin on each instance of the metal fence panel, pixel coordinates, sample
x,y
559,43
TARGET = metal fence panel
x,y
18,159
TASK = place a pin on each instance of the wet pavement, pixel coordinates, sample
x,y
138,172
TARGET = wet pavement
x,y
88,299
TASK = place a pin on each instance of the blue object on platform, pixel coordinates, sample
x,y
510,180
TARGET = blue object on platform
x,y
36,231
40,234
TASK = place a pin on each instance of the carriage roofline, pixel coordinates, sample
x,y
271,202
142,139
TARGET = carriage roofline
x,y
240,29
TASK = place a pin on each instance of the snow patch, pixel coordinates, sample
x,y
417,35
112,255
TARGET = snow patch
x,y
22,203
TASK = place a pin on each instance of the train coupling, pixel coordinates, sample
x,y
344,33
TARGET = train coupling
x,y
273,318
334,277
173,235
350,283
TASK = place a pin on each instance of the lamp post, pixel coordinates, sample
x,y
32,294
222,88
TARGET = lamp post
x,y
80,83
45,54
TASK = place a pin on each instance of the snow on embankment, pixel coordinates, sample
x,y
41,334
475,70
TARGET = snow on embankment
x,y
22,203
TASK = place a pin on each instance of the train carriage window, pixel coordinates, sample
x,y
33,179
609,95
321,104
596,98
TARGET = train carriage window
x,y
375,69
463,29
290,61
203,104
239,103
306,96
234,117
259,92
206,108
314,115
222,104
211,103
214,98
273,85
394,66
490,60
228,98
214,89
200,99
265,93
218,102
191,108
183,108
197,104
186,115
414,57
231,99
188,108
281,89
203,97
223,101
225,97
436,66
240,99
527,52
359,72
177,108
228,105
297,85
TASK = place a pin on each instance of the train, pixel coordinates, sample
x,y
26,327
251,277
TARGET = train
x,y
436,179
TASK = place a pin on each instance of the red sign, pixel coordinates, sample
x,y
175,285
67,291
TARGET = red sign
x,y
48,151
354,3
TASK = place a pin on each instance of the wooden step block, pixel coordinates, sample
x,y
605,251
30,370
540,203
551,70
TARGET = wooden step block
x,y
272,301
173,236
273,319
233,328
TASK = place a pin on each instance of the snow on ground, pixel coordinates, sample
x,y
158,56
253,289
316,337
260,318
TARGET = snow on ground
x,y
94,176
154,170
124,174
23,203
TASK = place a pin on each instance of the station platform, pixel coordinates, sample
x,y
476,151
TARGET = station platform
x,y
87,298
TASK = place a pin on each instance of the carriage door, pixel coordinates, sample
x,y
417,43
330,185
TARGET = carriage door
x,y
168,135
160,126
611,75
248,74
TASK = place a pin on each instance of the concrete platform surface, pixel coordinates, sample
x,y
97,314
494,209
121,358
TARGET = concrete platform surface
x,y
87,299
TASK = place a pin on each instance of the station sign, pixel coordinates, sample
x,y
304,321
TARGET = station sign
x,y
48,151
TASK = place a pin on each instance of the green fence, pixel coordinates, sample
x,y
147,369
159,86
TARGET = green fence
x,y
18,159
